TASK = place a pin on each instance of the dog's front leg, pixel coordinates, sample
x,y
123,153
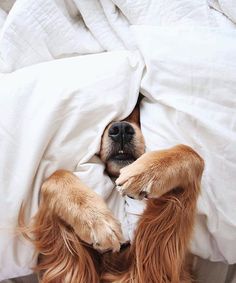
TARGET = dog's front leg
x,y
170,179
158,172
69,199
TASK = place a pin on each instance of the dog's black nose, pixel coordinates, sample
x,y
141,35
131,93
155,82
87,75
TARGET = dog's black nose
x,y
121,132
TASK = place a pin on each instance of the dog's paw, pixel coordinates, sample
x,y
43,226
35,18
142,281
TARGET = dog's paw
x,y
100,229
106,234
138,179
131,190
136,187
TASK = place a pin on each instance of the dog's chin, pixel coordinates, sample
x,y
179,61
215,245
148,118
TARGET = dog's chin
x,y
116,163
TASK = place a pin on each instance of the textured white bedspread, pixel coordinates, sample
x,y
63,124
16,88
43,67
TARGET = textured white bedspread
x,y
181,54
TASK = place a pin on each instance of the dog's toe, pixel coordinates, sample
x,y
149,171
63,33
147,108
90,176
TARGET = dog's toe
x,y
143,194
135,189
107,234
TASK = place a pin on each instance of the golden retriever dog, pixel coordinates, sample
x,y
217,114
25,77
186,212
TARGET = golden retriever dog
x,y
79,240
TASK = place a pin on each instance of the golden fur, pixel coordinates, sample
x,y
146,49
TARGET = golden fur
x,y
73,224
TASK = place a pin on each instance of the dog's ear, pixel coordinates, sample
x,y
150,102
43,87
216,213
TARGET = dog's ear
x,y
134,117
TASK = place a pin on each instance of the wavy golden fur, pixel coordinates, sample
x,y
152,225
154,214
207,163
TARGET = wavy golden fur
x,y
69,231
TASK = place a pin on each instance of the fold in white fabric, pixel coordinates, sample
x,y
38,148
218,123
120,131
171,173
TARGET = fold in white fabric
x,y
52,117
190,98
53,114
43,30
226,7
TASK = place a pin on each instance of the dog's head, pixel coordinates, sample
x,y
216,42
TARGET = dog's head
x,y
122,143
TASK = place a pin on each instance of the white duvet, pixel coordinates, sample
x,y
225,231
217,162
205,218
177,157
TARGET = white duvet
x,y
181,54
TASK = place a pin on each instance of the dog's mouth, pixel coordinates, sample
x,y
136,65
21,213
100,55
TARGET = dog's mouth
x,y
123,156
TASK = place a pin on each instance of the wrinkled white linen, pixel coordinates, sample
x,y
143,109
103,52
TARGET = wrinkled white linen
x,y
52,117
53,114
3,16
43,30
190,91
226,7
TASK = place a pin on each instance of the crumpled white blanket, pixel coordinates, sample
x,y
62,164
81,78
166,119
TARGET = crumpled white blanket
x,y
43,30
226,7
53,114
190,99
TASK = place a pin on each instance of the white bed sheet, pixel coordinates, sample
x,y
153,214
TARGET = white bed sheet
x,y
52,117
36,98
42,30
190,90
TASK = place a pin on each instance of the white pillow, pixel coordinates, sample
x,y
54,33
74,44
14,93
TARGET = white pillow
x,y
190,88
52,116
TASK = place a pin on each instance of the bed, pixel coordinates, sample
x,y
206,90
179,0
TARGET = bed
x,y
68,68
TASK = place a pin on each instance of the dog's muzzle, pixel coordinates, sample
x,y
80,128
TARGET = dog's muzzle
x,y
122,133
122,136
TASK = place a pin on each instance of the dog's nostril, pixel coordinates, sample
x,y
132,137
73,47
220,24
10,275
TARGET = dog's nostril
x,y
113,131
129,130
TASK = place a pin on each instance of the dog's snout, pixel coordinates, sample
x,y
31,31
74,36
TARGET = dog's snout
x,y
121,131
